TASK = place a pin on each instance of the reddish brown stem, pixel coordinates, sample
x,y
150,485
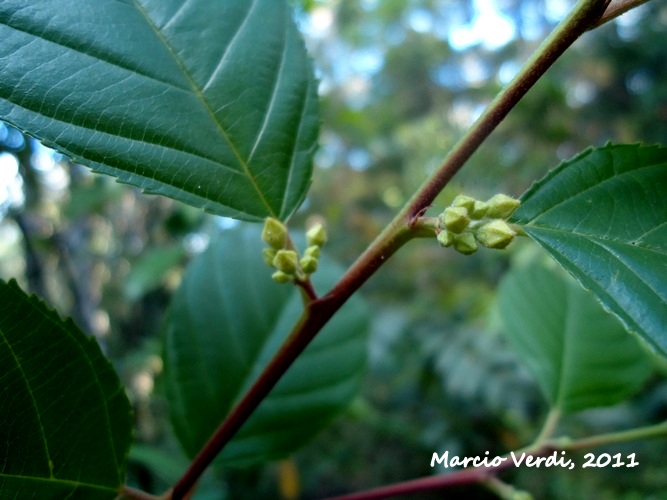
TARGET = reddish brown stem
x,y
471,476
316,315
466,476
617,8
307,289
585,14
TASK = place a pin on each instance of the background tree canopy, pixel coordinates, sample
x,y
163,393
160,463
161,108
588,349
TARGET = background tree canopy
x,y
399,82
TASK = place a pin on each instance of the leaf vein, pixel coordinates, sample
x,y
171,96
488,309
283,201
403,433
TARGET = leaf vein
x,y
597,185
202,98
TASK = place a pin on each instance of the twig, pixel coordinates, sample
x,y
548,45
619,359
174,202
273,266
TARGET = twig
x,y
617,8
483,474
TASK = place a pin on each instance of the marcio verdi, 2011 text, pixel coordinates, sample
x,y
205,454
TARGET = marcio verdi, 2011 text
x,y
555,459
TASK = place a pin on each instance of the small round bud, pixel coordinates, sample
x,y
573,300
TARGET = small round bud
x,y
316,235
465,243
308,264
495,234
269,254
312,251
274,233
479,210
286,261
455,219
464,201
445,238
502,206
281,277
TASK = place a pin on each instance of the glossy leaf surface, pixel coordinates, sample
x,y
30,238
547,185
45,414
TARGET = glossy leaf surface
x,y
580,354
603,217
226,321
66,424
212,103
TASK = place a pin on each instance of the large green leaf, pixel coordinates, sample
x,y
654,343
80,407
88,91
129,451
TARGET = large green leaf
x,y
603,217
65,424
226,321
210,102
581,355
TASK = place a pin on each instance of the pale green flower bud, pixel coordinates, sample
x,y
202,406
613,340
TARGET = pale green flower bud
x,y
465,243
269,255
312,251
445,238
502,206
464,201
495,234
286,261
308,264
281,277
316,235
455,219
274,233
479,209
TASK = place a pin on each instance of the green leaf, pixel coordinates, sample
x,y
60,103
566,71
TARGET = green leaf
x,y
603,217
150,270
226,321
212,103
66,423
581,355
165,465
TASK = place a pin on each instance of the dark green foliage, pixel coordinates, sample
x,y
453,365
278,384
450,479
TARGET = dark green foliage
x,y
580,355
221,115
602,217
227,320
66,425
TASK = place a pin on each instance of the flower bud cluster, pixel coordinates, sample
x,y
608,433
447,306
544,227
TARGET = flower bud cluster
x,y
289,265
467,222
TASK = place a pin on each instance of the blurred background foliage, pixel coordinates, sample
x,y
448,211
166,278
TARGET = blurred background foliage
x,y
400,81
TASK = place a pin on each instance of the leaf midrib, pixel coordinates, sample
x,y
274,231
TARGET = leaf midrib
x,y
193,88
565,361
200,96
597,237
598,185
67,482
625,266
34,402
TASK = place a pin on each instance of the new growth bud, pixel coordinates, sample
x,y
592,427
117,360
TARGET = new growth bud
x,y
286,261
289,265
464,201
308,264
281,277
269,254
274,233
495,234
479,209
502,206
465,243
468,221
455,219
316,235
445,238
312,251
